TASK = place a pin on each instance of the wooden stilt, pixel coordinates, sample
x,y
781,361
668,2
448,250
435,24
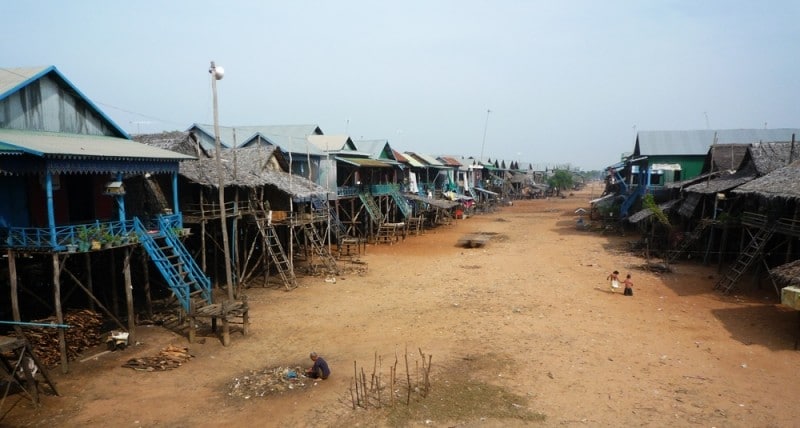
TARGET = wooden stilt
x,y
87,259
245,317
62,341
126,273
226,330
202,232
192,322
12,276
114,288
148,298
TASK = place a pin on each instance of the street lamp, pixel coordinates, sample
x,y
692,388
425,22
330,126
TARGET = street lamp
x,y
216,74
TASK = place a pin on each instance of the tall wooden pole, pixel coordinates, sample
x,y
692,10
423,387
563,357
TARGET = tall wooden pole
x,y
126,273
216,74
62,340
12,276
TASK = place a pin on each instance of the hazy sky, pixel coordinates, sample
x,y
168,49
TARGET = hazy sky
x,y
566,81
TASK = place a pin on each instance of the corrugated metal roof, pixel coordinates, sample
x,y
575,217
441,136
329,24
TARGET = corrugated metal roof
x,y
698,142
426,160
375,148
363,162
290,138
399,156
450,161
414,162
330,143
52,144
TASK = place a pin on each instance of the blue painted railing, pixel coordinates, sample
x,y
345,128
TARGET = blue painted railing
x,y
382,189
40,238
347,191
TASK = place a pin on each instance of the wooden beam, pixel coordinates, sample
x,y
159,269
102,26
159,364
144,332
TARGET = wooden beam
x,y
92,297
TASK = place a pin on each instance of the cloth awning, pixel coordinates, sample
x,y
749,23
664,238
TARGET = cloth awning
x,y
363,162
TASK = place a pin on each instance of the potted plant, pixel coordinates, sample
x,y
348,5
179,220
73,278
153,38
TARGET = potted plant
x,y
84,239
104,237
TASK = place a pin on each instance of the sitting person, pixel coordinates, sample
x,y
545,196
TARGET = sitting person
x,y
320,369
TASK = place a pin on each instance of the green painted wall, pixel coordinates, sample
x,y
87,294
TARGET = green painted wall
x,y
691,165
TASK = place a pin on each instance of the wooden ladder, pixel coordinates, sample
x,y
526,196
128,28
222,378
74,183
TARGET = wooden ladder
x,y
753,251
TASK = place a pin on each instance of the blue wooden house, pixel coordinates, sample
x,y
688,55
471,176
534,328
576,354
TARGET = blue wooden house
x,y
63,171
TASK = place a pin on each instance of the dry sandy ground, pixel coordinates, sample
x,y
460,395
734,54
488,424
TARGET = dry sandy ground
x,y
534,301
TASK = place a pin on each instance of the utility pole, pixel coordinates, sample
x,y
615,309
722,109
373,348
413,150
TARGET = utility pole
x,y
485,127
216,74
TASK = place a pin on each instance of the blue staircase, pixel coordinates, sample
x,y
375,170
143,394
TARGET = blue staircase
x,y
184,277
372,208
401,202
630,200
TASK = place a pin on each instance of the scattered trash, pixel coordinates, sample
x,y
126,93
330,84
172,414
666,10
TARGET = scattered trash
x,y
268,381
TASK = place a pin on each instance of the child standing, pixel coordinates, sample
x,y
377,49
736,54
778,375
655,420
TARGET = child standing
x,y
628,286
614,278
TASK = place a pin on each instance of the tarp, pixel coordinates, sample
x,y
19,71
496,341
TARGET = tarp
x,y
485,191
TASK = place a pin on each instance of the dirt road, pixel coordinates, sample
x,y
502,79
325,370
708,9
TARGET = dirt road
x,y
529,313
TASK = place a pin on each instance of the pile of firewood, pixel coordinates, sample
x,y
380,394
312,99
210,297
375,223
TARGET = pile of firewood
x,y
169,358
84,333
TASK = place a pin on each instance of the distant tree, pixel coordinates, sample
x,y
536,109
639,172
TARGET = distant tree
x,y
560,180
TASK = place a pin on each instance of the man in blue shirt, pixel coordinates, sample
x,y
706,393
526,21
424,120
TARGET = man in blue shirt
x,y
320,370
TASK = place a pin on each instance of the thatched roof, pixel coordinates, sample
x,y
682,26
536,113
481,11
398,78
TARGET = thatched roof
x,y
176,141
722,157
781,183
251,171
724,182
767,157
788,274
694,180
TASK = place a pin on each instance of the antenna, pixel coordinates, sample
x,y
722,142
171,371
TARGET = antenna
x,y
705,113
139,124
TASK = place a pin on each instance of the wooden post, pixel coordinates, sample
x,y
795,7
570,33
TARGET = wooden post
x,y
226,329
245,317
62,341
148,298
88,262
202,232
192,322
114,290
12,277
126,273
